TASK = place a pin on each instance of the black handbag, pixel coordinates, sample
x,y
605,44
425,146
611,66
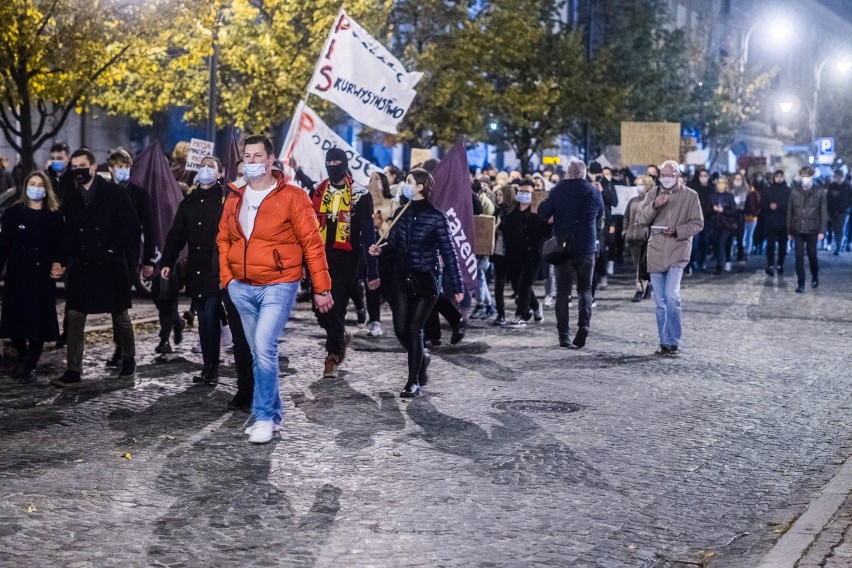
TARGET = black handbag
x,y
422,284
557,250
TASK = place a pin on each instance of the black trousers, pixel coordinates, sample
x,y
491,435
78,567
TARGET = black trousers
x,y
718,237
242,352
583,267
386,290
209,328
500,277
523,277
806,242
409,317
775,237
443,306
343,267
29,351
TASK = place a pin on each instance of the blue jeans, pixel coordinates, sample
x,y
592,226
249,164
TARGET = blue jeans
x,y
748,236
483,295
264,311
667,297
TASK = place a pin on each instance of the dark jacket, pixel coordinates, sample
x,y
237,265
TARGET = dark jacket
x,y
523,236
807,212
421,239
705,196
839,197
29,243
779,194
610,199
195,226
752,204
61,183
97,280
139,198
727,218
575,207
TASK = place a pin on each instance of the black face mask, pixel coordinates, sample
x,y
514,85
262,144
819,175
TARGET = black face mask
x,y
82,175
336,173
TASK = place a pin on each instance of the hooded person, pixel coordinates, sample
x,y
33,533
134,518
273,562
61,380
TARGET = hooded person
x,y
344,210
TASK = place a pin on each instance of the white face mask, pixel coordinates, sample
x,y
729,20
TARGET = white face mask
x,y
206,175
524,197
668,182
35,193
807,182
254,171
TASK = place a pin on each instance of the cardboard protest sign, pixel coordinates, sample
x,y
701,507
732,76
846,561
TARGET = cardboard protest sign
x,y
198,150
483,243
644,143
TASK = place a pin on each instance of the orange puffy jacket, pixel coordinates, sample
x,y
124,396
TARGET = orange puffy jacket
x,y
285,231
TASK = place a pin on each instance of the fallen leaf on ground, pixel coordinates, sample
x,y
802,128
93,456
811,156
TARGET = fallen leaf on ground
x,y
31,508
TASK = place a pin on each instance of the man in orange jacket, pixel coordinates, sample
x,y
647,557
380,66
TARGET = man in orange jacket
x,y
268,228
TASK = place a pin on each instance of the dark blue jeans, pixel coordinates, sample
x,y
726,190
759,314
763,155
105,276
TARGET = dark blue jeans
x,y
209,328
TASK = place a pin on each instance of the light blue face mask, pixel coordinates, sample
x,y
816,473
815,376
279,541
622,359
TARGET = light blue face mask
x,y
206,175
524,197
408,191
254,171
122,174
35,193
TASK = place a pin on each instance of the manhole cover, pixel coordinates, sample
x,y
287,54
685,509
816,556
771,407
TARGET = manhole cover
x,y
539,406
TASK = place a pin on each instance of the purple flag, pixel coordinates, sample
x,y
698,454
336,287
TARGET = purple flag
x,y
231,157
452,195
151,171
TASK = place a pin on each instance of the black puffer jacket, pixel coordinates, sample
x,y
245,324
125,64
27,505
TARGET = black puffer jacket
x,y
779,194
807,213
419,238
196,225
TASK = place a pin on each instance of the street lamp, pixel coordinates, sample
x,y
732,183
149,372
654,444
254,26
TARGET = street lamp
x,y
780,30
844,65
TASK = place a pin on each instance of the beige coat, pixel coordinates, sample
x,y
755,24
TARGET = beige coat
x,y
683,212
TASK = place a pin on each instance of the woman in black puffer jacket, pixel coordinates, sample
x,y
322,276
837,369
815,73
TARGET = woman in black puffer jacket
x,y
420,238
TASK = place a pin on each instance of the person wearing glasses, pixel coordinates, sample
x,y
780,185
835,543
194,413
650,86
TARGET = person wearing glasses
x,y
672,212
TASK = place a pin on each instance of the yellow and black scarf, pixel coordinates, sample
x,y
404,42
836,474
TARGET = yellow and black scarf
x,y
337,205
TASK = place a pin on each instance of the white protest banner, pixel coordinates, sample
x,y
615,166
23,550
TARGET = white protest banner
x,y
198,150
625,194
358,74
309,138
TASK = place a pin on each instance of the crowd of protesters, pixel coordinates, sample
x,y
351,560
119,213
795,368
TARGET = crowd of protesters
x,y
256,244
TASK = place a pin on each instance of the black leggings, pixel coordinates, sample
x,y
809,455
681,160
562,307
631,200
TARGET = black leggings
x,y
409,317
500,278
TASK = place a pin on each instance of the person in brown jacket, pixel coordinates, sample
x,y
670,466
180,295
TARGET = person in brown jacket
x,y
267,229
673,215
807,221
636,235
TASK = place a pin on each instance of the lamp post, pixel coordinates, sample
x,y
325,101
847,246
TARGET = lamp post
x,y
844,65
214,70
781,30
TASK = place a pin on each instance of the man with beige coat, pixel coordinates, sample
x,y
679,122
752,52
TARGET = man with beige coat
x,y
673,215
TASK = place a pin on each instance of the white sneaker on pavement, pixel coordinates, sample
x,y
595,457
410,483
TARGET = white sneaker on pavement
x,y
262,432
548,301
375,329
727,267
275,427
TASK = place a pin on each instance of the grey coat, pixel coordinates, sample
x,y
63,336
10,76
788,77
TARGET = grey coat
x,y
683,212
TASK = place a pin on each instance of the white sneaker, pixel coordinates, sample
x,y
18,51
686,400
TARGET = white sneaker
x,y
226,340
275,427
727,267
520,322
610,267
262,432
548,301
594,303
375,329
196,348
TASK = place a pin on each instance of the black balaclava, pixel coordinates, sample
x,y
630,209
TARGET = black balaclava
x,y
338,172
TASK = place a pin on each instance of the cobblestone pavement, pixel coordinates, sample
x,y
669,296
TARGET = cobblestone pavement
x,y
519,453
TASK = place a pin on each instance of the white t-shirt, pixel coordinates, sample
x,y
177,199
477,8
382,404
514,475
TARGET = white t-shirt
x,y
251,203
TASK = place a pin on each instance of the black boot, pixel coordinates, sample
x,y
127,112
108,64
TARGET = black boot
x,y
116,359
203,376
128,369
178,331
164,348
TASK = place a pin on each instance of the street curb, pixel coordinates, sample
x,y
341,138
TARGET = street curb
x,y
792,546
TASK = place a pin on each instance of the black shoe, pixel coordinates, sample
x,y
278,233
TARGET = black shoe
x,y
68,380
780,271
424,377
116,359
189,317
580,338
837,252
361,316
203,376
163,348
648,290
800,289
458,333
62,341
411,390
500,320
564,341
128,369
815,283
178,331
637,297
770,271
237,403
718,271
663,351
212,378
